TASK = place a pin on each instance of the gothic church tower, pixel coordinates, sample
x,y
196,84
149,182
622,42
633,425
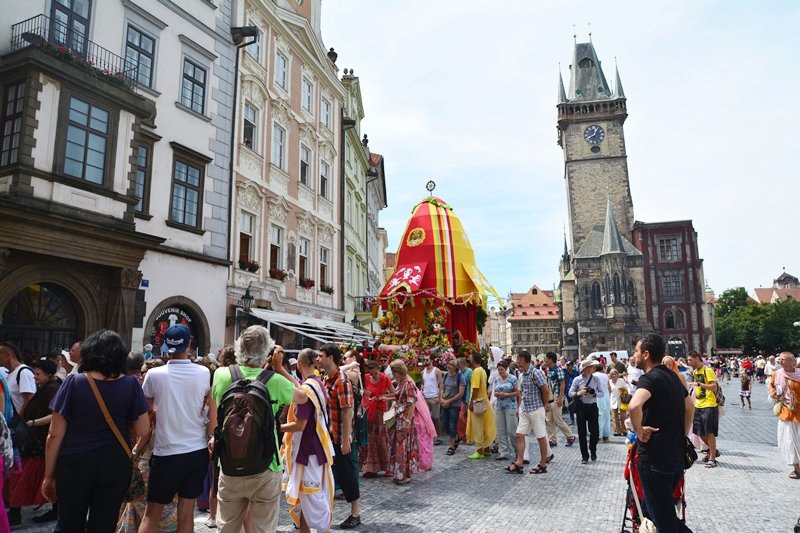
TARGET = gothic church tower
x,y
602,278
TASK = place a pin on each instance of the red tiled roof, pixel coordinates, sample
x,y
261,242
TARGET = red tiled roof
x,y
765,295
539,306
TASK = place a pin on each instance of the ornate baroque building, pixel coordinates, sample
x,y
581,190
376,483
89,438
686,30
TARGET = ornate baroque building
x,y
616,282
534,322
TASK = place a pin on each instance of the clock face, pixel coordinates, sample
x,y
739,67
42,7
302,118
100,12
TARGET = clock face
x,y
594,134
570,331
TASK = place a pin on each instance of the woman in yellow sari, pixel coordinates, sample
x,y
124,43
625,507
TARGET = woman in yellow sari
x,y
481,428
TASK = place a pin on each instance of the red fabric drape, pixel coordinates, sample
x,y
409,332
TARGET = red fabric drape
x,y
462,318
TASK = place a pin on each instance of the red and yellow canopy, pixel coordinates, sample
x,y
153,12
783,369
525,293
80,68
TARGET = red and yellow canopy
x,y
436,260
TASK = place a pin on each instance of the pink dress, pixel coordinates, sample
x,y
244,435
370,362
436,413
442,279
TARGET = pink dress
x,y
426,432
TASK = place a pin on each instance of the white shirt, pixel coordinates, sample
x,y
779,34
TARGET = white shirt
x,y
26,384
178,390
430,383
770,368
633,375
495,355
388,372
602,385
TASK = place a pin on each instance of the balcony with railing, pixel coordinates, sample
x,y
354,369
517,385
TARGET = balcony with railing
x,y
72,46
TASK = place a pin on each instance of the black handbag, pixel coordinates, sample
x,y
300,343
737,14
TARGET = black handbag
x,y
21,434
689,455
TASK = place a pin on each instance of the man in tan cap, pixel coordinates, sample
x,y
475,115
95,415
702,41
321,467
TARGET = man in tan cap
x,y
584,392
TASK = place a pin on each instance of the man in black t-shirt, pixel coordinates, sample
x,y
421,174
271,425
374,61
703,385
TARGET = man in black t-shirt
x,y
661,412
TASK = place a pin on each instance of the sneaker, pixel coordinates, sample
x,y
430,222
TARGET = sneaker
x,y
594,457
584,461
474,456
438,442
570,441
553,444
351,522
211,523
606,439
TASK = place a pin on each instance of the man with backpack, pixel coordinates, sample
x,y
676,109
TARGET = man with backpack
x,y
21,384
249,396
177,394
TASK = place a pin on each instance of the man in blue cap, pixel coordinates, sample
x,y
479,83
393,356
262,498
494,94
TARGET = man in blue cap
x,y
177,394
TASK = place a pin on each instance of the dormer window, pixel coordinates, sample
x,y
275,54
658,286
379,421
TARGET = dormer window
x,y
585,63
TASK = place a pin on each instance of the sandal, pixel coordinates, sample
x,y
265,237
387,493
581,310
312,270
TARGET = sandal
x,y
794,475
514,468
451,450
711,464
539,470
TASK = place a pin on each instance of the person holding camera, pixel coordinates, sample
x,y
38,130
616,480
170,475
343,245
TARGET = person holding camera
x,y
583,391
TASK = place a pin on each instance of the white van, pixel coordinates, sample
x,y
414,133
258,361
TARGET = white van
x,y
622,355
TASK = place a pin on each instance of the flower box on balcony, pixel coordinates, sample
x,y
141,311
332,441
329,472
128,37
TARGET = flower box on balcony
x,y
306,283
250,265
326,289
277,273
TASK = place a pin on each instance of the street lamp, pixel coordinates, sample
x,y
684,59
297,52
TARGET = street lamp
x,y
244,305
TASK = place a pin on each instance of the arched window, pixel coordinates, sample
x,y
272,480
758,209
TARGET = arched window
x,y
607,291
669,320
585,63
597,301
617,295
631,293
680,321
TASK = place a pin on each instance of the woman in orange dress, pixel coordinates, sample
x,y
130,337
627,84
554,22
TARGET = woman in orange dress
x,y
784,387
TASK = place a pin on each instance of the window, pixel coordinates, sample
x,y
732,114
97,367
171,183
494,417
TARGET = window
x,y
671,285
348,211
193,91
254,50
250,127
617,292
278,142
87,141
275,243
281,70
668,249
669,320
246,239
324,170
326,113
142,185
597,302
139,51
680,320
306,98
303,246
349,275
12,123
70,23
305,162
187,182
323,266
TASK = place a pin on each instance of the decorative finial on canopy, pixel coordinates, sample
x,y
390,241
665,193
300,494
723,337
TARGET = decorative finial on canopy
x,y
430,185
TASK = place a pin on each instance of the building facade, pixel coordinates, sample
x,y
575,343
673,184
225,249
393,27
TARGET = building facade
x,y
114,173
601,291
784,287
534,322
620,278
676,296
300,172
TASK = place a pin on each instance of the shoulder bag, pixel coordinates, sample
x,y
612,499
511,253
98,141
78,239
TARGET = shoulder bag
x,y
136,488
360,419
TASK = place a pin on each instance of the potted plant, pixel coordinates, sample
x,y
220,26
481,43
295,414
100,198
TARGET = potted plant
x,y
306,283
326,288
277,273
251,265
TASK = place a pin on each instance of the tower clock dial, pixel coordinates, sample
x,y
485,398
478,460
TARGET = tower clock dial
x,y
594,134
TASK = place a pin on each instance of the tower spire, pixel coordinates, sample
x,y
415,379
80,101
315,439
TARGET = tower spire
x,y
618,83
587,81
612,240
562,94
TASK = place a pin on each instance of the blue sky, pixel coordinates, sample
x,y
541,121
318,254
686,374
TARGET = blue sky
x,y
464,93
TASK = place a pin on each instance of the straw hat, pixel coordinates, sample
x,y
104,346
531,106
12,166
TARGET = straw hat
x,y
590,361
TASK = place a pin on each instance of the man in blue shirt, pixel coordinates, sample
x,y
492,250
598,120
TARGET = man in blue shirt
x,y
558,388
466,377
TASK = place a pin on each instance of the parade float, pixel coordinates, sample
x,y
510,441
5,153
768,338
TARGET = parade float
x,y
435,301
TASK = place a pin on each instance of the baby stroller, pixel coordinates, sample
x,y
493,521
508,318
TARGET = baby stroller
x,y
634,495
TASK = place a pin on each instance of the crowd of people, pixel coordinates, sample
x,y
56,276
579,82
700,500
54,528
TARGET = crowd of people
x,y
117,442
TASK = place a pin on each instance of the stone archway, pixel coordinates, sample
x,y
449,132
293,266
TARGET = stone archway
x,y
80,291
199,325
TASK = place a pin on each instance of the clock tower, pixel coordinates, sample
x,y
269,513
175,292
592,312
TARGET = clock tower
x,y
602,290
590,132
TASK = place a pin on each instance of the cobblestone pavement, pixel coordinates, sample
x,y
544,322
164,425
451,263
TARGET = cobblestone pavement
x,y
743,494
